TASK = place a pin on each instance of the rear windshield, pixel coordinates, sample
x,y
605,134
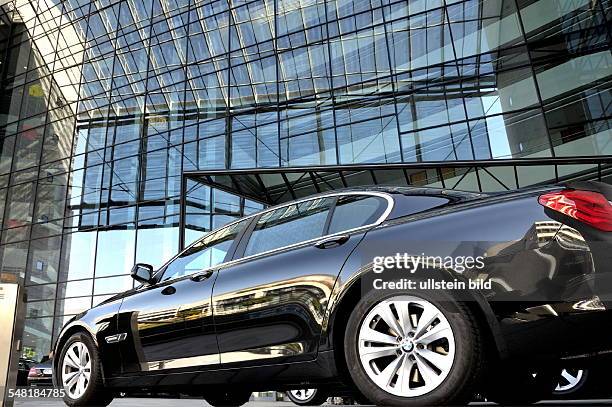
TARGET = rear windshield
x,y
411,204
407,204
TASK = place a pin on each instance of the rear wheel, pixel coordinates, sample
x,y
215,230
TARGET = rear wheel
x,y
80,373
411,349
307,397
228,398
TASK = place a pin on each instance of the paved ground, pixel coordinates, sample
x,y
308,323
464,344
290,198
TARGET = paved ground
x,y
160,402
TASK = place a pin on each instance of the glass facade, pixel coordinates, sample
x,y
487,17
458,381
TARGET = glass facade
x,y
104,104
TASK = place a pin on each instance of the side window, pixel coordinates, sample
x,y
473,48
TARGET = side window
x,y
207,252
289,225
406,205
353,211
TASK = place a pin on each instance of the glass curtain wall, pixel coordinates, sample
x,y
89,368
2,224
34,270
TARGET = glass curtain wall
x,y
105,103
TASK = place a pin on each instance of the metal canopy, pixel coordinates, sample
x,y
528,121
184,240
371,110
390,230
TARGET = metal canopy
x,y
276,185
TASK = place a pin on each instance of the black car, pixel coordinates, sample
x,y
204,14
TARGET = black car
x,y
40,374
23,369
477,291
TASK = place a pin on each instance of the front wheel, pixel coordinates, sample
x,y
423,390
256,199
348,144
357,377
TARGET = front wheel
x,y
307,397
80,373
411,349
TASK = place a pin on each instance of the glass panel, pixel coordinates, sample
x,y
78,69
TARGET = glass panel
x,y
78,257
575,171
355,211
208,252
77,288
390,177
155,246
37,338
13,258
44,260
493,179
289,225
41,292
115,252
39,309
73,306
539,174
112,285
374,141
251,207
580,123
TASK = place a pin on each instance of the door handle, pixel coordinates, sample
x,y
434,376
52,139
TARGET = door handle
x,y
202,275
168,290
331,242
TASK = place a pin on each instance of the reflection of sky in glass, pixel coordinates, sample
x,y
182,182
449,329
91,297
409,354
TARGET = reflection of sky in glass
x,y
115,252
156,246
81,255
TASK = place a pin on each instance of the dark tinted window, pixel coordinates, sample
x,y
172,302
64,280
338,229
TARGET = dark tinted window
x,y
353,211
208,252
410,204
289,225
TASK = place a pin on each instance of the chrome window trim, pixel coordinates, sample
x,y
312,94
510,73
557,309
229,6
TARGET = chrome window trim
x,y
381,219
383,216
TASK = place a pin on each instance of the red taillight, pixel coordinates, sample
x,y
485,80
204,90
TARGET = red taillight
x,y
589,207
32,372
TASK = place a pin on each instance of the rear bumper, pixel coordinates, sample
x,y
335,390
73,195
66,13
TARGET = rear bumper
x,y
40,381
570,330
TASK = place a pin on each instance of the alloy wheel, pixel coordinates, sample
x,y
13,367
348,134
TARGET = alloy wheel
x,y
303,394
76,369
569,379
406,346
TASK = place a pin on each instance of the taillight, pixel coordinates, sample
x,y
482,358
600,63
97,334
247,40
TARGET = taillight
x,y
589,207
32,372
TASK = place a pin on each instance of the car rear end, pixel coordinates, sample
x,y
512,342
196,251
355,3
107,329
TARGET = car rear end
x,y
585,211
41,375
546,252
583,245
554,286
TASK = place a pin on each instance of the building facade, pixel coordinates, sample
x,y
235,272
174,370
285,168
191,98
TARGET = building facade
x,y
105,104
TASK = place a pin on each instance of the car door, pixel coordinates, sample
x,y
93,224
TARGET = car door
x,y
269,305
168,325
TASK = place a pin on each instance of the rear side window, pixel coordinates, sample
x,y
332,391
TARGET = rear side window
x,y
353,211
406,205
289,225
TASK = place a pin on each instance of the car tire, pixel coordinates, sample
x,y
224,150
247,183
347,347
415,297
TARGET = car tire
x,y
80,373
307,397
534,386
228,398
457,334
361,399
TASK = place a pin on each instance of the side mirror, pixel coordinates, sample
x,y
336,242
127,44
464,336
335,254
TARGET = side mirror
x,y
142,273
